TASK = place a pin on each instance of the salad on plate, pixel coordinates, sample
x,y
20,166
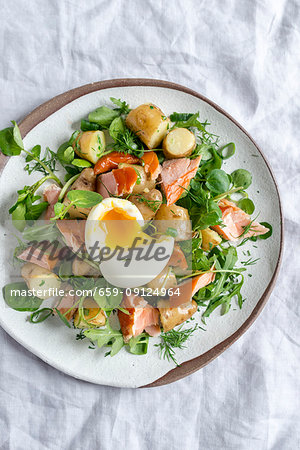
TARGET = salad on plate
x,y
132,228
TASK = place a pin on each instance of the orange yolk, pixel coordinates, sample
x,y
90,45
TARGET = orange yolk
x,y
120,228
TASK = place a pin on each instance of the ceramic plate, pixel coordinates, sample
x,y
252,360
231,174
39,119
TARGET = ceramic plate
x,y
51,124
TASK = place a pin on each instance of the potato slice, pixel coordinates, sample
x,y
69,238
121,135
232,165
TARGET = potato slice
x,y
179,143
40,279
142,181
149,123
93,315
171,317
175,217
90,145
209,239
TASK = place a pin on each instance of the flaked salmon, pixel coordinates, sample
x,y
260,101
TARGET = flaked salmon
x,y
151,164
142,316
73,232
176,175
235,220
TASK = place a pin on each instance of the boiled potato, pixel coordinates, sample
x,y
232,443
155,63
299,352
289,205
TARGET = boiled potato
x,y
171,317
90,145
175,217
148,203
142,181
93,315
81,268
41,280
164,280
149,123
210,239
85,182
179,143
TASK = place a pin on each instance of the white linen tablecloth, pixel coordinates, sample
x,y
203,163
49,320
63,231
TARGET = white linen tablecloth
x,y
244,55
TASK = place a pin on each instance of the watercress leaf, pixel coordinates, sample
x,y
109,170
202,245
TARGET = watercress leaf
x,y
214,163
103,116
58,208
241,178
65,153
84,199
246,205
8,145
86,125
81,163
218,181
204,150
18,216
269,233
116,127
117,344
23,302
35,151
227,150
34,212
17,135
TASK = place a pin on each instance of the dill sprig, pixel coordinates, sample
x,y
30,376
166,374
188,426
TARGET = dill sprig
x,y
172,340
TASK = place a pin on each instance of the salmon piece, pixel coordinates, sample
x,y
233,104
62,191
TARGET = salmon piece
x,y
178,258
189,288
142,316
234,222
39,256
112,160
151,164
51,194
117,182
73,232
176,176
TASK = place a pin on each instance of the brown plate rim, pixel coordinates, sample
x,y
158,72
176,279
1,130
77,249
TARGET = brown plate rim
x,y
51,106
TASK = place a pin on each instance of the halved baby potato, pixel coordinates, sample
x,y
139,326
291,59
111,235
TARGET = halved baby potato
x,y
149,123
40,279
175,217
93,315
179,143
210,239
90,145
171,317
166,279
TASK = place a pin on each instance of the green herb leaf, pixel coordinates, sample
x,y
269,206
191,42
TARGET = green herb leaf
x,y
246,205
241,178
139,345
23,302
81,163
123,107
103,116
84,199
65,153
227,150
8,145
41,315
218,181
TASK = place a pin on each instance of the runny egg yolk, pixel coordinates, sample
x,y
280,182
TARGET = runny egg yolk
x,y
120,228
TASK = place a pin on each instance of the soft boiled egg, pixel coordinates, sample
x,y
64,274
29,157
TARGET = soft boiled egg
x,y
114,237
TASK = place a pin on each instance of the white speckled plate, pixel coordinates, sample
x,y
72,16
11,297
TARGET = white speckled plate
x,y
50,125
